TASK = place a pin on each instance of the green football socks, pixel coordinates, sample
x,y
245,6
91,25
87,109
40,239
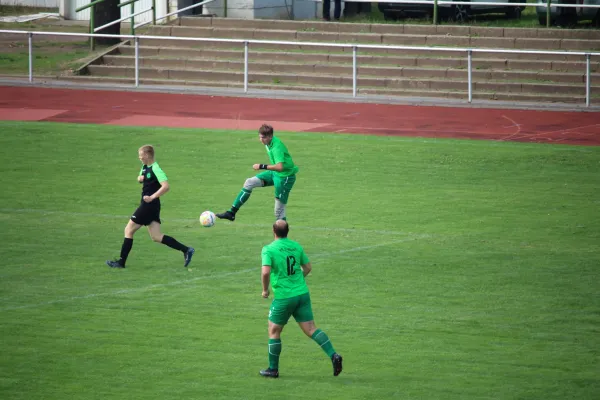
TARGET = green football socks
x,y
274,352
323,340
241,198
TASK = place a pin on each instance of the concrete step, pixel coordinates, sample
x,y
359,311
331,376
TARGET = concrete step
x,y
444,29
408,93
351,38
314,65
363,60
345,80
408,40
563,62
329,68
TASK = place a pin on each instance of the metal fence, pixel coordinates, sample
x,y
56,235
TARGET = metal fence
x,y
467,52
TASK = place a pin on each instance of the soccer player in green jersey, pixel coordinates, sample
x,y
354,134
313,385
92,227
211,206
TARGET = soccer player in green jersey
x,y
280,173
155,184
284,266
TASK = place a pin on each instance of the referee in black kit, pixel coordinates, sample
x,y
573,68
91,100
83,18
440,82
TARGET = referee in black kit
x,y
155,184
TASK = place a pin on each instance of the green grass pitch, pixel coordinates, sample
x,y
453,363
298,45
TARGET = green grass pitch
x,y
442,269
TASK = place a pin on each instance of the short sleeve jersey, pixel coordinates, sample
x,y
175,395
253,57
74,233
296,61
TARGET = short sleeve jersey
x,y
285,257
153,177
278,153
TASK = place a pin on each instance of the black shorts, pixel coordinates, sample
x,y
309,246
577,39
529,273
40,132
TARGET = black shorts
x,y
146,213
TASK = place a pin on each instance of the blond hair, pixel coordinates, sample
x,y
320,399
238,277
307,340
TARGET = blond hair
x,y
147,149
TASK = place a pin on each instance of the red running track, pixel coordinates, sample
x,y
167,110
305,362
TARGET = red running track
x,y
203,111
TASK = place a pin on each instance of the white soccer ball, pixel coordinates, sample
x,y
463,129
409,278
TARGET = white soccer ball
x,y
207,219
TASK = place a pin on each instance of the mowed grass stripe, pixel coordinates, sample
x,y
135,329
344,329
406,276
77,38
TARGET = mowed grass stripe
x,y
192,220
127,291
316,259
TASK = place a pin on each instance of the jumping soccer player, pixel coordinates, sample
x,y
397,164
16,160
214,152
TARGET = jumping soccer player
x,y
281,173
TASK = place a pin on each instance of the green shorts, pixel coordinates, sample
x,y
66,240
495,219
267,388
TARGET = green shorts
x,y
299,306
283,185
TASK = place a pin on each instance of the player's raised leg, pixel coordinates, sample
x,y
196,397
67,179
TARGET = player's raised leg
x,y
242,197
157,236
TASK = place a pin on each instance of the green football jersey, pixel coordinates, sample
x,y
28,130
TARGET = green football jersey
x,y
285,258
278,153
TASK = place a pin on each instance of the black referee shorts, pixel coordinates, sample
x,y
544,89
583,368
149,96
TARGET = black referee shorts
x,y
146,213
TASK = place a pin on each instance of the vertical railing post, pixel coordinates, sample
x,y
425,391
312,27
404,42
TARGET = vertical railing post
x,y
435,12
224,8
132,19
548,13
30,39
246,67
470,73
353,71
92,12
153,12
588,78
137,61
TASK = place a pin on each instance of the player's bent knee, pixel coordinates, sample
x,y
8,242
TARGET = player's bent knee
x,y
275,331
156,237
308,327
252,183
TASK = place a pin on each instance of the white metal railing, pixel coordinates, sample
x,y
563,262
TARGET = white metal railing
x,y
116,21
469,52
176,12
132,15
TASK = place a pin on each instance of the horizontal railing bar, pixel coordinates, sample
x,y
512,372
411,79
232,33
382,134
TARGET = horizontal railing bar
x,y
314,44
185,9
93,3
127,3
122,19
69,34
175,12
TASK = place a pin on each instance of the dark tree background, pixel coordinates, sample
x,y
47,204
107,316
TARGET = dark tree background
x,y
352,9
106,12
